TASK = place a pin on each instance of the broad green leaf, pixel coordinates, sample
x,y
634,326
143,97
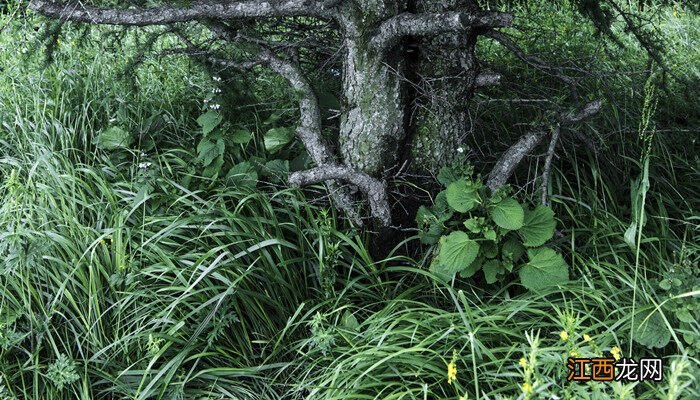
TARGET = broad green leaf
x,y
431,234
631,235
208,150
490,234
439,270
276,138
462,196
241,136
508,214
546,268
473,225
684,315
538,226
447,175
473,268
276,170
514,248
213,170
243,174
489,249
650,329
441,209
430,225
209,121
457,251
491,270
349,321
113,138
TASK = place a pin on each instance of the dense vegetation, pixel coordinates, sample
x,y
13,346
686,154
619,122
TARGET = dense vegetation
x,y
151,248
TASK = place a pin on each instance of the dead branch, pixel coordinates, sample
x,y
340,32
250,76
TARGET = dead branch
x,y
138,16
505,166
548,162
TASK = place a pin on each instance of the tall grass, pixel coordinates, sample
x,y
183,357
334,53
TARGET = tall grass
x,y
201,289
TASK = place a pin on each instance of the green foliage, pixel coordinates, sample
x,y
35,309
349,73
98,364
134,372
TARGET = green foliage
x,y
131,272
538,226
457,252
209,121
463,195
277,138
62,372
497,229
545,268
507,213
650,330
113,138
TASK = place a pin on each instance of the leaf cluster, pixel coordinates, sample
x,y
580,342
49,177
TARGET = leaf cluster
x,y
479,230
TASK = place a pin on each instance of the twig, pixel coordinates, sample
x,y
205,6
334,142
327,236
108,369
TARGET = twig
x,y
548,162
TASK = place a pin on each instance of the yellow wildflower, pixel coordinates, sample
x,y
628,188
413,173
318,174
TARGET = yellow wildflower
x,y
564,335
461,398
523,362
574,353
586,338
615,351
451,372
527,388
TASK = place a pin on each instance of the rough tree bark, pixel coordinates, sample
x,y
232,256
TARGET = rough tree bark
x,y
394,102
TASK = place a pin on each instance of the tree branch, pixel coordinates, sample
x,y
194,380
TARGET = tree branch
x,y
531,60
505,166
138,16
391,31
374,189
309,132
487,79
548,162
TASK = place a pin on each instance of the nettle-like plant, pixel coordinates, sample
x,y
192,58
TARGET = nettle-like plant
x,y
476,229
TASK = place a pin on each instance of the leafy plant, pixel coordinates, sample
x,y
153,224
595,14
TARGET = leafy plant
x,y
62,372
476,229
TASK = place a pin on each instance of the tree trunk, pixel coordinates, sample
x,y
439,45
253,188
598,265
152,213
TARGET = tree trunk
x,y
387,95
372,127
445,75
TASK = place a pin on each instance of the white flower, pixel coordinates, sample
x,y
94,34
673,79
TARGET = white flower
x,y
206,101
145,165
460,150
216,90
215,106
216,78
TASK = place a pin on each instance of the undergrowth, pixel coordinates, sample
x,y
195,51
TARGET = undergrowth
x,y
200,287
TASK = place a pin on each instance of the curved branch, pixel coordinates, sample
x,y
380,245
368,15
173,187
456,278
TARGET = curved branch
x,y
137,16
374,189
505,166
392,30
309,132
